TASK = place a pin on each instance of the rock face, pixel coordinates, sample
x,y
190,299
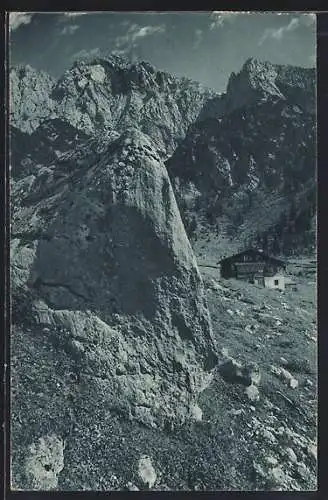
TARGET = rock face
x,y
110,94
249,160
259,80
30,102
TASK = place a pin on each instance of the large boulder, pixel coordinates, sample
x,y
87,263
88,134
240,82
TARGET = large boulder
x,y
102,268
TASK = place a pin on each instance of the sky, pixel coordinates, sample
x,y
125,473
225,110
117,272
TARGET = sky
x,y
203,46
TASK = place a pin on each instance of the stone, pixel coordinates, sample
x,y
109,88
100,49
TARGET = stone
x,y
170,315
277,475
293,383
285,375
303,471
236,412
252,393
132,487
233,371
43,462
271,460
146,472
196,413
268,435
291,455
254,373
312,450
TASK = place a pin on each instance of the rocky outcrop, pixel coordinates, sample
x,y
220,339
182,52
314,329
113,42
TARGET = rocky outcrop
x,y
103,259
110,94
260,81
256,80
30,101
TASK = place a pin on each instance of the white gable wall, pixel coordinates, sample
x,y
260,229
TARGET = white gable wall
x,y
277,281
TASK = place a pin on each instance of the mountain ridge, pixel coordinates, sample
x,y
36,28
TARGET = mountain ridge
x,y
250,148
136,93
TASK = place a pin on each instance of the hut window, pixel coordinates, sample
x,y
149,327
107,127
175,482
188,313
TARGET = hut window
x,y
276,282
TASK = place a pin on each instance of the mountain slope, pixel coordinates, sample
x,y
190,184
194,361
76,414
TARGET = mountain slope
x,y
252,147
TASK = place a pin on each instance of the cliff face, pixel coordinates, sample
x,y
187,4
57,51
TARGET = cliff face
x,y
30,102
110,94
259,80
248,162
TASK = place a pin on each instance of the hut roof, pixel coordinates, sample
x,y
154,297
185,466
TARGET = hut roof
x,y
253,251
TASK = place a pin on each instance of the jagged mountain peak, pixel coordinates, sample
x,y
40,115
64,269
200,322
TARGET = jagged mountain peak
x,y
256,80
111,93
260,81
253,64
254,143
135,74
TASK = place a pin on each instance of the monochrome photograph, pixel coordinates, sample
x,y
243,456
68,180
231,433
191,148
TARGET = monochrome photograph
x,y
163,251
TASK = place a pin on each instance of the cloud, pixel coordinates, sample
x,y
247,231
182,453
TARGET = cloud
x,y
16,19
69,30
136,32
279,33
198,38
146,31
218,19
127,44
